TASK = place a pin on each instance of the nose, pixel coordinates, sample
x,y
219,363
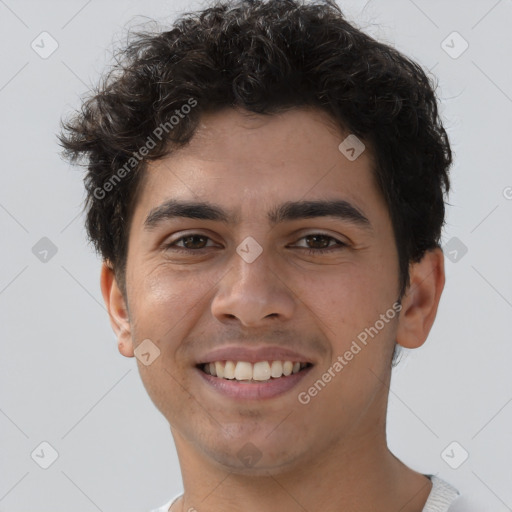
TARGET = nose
x,y
252,293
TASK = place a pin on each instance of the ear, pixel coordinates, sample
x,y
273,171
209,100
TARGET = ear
x,y
117,310
421,299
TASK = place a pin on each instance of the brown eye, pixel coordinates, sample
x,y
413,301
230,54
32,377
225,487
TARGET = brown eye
x,y
190,243
194,241
318,241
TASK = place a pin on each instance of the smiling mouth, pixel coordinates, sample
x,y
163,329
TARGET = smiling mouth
x,y
261,371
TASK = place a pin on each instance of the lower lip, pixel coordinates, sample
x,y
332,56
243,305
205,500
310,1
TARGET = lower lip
x,y
254,390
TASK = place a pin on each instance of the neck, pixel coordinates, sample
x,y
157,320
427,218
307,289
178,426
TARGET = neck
x,y
358,473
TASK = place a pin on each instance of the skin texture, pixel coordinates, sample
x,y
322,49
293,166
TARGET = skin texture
x,y
330,454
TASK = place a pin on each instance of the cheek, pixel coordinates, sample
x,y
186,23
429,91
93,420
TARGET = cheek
x,y
165,306
165,301
347,306
344,299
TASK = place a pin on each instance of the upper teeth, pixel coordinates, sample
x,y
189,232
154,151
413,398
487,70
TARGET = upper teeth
x,y
243,370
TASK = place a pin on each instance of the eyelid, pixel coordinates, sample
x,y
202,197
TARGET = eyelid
x,y
339,239
178,235
174,241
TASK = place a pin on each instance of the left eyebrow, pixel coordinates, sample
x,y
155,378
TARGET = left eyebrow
x,y
288,211
339,209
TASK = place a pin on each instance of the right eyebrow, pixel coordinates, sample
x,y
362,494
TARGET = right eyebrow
x,y
186,209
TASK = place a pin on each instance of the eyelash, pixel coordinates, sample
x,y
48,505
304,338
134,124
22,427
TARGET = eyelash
x,y
339,244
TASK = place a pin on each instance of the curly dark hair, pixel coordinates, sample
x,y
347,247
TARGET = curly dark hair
x,y
264,57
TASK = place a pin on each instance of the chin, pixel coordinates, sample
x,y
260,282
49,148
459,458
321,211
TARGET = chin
x,y
255,458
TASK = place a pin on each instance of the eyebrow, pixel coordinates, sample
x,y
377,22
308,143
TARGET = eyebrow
x,y
288,211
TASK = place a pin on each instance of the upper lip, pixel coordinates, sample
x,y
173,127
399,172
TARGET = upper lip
x,y
252,355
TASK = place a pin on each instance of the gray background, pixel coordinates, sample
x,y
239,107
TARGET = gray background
x,y
62,379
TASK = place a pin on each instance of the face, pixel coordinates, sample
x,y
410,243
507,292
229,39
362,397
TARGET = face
x,y
292,258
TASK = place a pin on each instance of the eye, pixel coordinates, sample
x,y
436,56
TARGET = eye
x,y
189,243
321,243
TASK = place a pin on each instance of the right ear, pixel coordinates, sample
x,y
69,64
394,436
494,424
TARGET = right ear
x,y
117,310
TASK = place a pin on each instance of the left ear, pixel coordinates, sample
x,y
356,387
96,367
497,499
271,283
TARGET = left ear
x,y
421,299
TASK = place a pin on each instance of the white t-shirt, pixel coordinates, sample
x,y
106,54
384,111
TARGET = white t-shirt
x,y
440,498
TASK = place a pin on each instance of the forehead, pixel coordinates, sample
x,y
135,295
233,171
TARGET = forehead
x,y
251,162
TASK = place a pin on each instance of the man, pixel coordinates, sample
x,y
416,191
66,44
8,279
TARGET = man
x,y
266,187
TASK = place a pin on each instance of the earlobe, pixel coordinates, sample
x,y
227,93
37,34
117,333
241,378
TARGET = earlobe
x,y
117,310
421,299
